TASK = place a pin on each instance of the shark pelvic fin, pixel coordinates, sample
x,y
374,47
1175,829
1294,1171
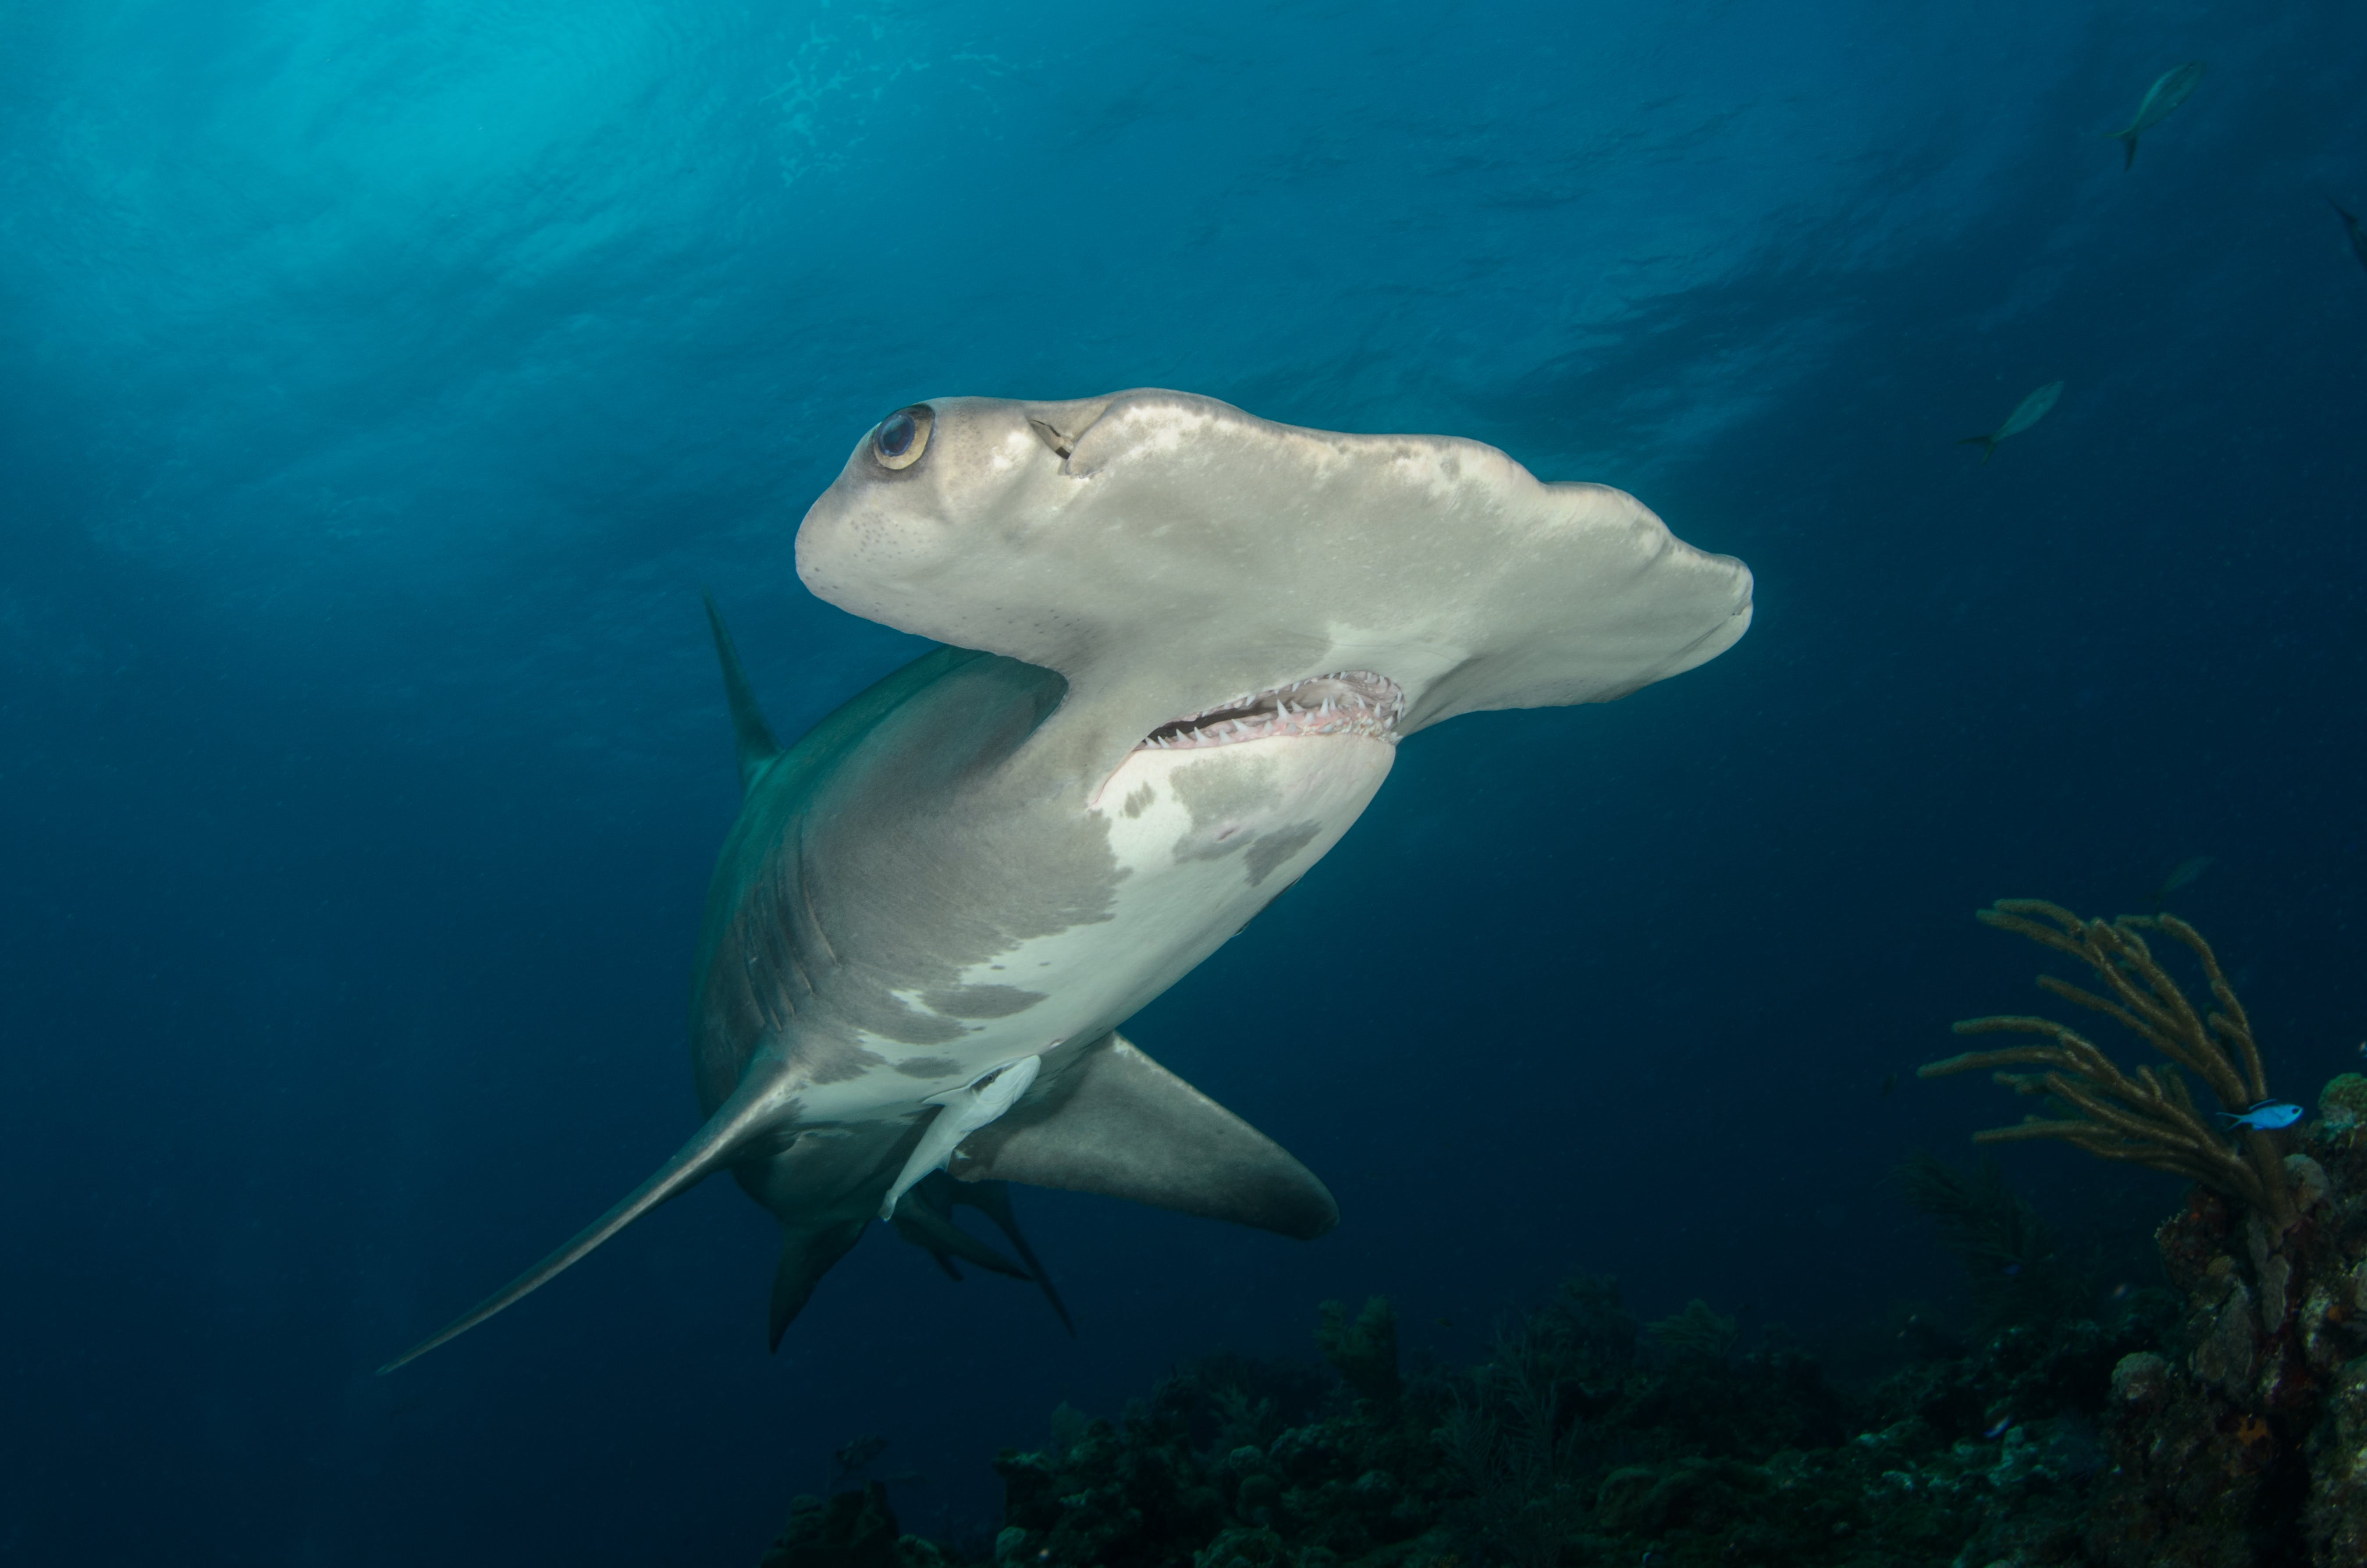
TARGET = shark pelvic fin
x,y
923,1218
734,1122
807,1253
756,742
1114,1122
926,1216
992,1198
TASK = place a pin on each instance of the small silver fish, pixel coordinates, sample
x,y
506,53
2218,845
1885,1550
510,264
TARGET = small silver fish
x,y
2026,412
2167,93
2265,1117
1994,1431
2183,875
2351,226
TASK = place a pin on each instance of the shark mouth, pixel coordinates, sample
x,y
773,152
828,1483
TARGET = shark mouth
x,y
1352,702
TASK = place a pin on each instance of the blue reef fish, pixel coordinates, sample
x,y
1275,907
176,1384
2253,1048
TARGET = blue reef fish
x,y
2265,1117
2026,412
2169,90
1999,1429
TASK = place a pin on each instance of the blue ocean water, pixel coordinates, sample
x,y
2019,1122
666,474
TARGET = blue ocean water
x,y
383,378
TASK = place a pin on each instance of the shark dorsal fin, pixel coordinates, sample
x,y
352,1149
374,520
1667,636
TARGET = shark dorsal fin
x,y
757,744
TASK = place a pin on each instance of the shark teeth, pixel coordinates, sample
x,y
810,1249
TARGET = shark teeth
x,y
1347,703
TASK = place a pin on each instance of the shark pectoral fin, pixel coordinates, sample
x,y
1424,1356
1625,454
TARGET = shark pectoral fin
x,y
1118,1123
734,1120
807,1252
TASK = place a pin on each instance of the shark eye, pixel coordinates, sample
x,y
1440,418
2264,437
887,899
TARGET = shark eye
x,y
902,437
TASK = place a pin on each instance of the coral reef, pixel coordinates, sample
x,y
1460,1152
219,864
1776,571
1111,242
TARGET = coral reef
x,y
2009,1257
1586,1438
851,1529
2220,1422
1365,1353
2147,1117
2237,1442
2244,1441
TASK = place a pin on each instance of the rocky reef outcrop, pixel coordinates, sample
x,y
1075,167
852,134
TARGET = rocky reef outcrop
x,y
2218,1420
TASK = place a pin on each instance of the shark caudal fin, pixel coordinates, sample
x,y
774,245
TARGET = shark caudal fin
x,y
734,1122
1988,444
1114,1121
2128,140
756,742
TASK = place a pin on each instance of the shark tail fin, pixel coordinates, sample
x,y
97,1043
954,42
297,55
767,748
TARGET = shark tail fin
x,y
2128,140
1988,444
710,1147
755,738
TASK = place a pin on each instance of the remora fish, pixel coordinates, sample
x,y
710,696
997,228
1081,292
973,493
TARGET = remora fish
x,y
2026,412
2169,91
1182,646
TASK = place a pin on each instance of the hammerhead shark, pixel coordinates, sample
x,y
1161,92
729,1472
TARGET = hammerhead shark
x,y
1180,645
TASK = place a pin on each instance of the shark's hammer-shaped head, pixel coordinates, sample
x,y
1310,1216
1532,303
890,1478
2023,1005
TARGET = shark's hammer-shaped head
x,y
1198,574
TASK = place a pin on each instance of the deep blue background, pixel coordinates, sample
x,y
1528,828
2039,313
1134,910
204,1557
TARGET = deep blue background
x,y
380,379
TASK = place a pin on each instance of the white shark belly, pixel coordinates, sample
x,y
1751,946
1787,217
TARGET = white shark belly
x,y
1205,839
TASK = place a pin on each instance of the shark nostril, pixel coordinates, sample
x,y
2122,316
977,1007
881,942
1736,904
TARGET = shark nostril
x,y
1061,445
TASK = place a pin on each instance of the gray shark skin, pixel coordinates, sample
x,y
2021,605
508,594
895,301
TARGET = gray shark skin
x,y
1182,644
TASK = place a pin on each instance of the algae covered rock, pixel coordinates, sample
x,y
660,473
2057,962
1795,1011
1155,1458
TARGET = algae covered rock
x,y
2219,1423
2343,1102
1365,1352
2335,1523
850,1529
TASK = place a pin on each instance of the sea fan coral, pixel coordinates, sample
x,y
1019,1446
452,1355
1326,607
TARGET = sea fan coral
x,y
2148,1116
